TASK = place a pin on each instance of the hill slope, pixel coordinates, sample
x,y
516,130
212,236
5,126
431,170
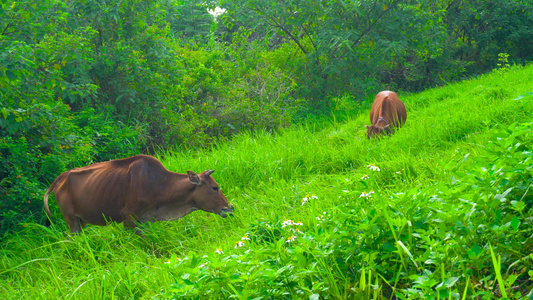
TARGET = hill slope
x,y
440,209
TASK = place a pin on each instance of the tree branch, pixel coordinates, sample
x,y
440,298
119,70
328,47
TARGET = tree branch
x,y
367,30
276,24
306,32
5,28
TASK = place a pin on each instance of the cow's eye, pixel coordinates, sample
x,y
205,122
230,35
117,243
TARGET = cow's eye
x,y
215,188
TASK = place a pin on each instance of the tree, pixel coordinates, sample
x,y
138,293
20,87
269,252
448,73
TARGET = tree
x,y
480,30
190,19
343,41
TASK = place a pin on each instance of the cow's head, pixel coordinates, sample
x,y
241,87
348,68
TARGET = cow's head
x,y
208,196
380,128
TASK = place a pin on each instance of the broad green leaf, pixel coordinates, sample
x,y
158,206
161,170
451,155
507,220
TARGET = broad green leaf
x,y
408,252
450,282
11,75
515,223
502,196
475,251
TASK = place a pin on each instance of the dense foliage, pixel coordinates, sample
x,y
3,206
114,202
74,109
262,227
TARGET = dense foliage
x,y
92,80
358,47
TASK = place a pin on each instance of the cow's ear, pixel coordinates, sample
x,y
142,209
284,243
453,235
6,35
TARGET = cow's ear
x,y
194,178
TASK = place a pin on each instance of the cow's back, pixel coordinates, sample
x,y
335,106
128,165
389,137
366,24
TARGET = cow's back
x,y
388,106
99,193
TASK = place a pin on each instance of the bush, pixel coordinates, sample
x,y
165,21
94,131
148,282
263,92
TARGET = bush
x,y
46,141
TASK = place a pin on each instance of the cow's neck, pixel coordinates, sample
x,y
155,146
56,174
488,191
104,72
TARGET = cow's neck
x,y
175,201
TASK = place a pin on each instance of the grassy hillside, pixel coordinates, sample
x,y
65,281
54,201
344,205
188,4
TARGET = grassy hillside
x,y
442,209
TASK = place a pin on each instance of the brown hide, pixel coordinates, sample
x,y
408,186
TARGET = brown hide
x,y
138,188
387,114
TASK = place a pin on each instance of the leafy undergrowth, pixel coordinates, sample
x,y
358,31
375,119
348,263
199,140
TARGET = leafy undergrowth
x,y
470,236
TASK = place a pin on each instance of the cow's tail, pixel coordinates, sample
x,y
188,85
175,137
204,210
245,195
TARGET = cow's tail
x,y
50,189
46,206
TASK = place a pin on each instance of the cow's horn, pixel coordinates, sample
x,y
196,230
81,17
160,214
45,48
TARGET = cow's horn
x,y
209,172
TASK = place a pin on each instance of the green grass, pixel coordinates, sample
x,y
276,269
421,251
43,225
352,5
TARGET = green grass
x,y
450,216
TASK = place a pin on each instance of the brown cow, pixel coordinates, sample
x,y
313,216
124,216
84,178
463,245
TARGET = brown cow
x,y
387,113
134,189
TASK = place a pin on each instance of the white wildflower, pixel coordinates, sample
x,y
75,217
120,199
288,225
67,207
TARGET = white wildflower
x,y
307,198
291,223
364,194
373,167
321,218
286,223
292,238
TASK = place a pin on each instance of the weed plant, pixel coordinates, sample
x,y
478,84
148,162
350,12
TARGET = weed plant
x,y
440,210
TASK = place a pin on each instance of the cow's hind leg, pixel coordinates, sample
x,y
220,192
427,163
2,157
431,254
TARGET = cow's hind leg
x,y
82,223
130,224
74,224
64,200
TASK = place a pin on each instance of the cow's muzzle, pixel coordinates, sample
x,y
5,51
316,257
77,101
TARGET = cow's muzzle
x,y
226,211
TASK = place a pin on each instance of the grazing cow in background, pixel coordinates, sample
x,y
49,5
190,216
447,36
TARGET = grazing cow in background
x,y
134,189
387,113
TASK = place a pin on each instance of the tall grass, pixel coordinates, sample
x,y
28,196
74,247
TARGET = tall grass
x,y
423,232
